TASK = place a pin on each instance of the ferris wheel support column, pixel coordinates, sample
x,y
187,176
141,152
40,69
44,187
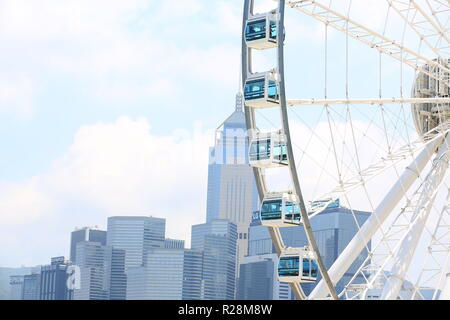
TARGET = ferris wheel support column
x,y
409,243
369,228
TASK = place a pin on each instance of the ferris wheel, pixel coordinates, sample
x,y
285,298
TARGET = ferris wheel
x,y
387,155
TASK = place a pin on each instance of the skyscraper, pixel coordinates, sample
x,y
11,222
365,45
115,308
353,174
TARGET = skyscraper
x,y
102,271
218,241
168,273
54,280
16,287
232,192
31,286
118,282
85,234
135,235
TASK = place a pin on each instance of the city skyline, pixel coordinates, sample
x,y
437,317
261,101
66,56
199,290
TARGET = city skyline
x,y
229,149
65,141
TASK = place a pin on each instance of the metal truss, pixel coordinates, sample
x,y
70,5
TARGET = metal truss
x,y
314,102
430,30
373,39
436,263
418,207
385,163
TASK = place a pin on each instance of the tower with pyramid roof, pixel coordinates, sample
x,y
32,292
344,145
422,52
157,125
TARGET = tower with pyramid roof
x,y
232,192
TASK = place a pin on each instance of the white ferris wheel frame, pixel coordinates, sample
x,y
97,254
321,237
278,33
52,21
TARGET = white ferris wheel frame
x,y
434,142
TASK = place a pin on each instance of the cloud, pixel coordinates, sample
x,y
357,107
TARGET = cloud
x,y
117,168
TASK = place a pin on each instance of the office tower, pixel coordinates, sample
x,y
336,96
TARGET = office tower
x,y
168,273
218,241
135,235
31,286
232,192
173,243
85,234
16,287
102,272
118,281
333,230
54,280
256,280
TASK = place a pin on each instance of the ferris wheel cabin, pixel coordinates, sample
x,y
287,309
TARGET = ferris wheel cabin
x,y
268,150
297,265
261,90
261,31
280,210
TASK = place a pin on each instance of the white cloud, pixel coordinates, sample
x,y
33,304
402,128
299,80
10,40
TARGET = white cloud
x,y
115,168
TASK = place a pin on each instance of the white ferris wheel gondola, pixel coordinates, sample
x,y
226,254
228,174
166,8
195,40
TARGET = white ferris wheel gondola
x,y
280,210
268,150
261,90
297,265
261,31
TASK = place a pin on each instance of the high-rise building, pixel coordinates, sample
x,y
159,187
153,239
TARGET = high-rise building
x,y
135,235
232,192
173,243
102,272
16,287
167,274
54,280
118,281
85,234
218,241
256,280
333,230
31,286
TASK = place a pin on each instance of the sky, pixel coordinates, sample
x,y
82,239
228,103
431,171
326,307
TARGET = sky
x,y
108,107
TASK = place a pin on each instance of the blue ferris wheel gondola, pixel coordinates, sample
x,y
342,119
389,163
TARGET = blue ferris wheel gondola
x,y
261,31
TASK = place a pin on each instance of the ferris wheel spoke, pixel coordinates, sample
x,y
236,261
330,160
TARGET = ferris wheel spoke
x,y
374,170
373,39
423,25
371,101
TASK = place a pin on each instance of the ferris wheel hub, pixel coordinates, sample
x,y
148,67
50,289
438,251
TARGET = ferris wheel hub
x,y
428,116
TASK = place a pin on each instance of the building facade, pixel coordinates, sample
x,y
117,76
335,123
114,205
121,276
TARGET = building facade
x,y
218,241
173,244
31,286
136,235
167,274
16,287
102,272
85,234
54,280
